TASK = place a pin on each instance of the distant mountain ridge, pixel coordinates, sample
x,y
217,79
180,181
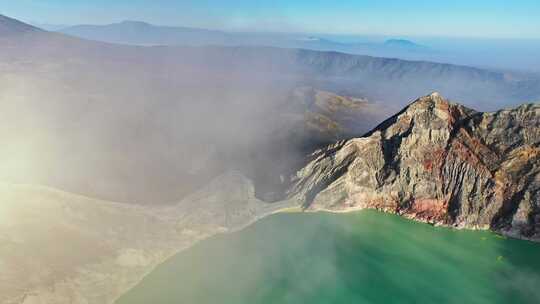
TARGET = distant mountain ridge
x,y
143,33
104,112
11,27
493,54
403,43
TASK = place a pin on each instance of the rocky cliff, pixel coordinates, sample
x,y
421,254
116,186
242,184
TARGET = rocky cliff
x,y
437,162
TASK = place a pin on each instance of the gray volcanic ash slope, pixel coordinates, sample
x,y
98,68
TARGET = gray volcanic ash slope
x,y
438,162
61,248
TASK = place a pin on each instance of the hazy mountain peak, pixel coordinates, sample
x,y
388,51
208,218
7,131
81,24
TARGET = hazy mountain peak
x,y
10,26
434,99
135,23
403,43
432,111
435,95
438,109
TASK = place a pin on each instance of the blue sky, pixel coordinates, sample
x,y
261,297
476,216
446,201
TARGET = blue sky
x,y
462,18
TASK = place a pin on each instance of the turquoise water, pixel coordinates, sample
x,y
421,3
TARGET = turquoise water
x,y
362,257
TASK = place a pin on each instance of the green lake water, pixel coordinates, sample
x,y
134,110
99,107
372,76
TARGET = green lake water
x,y
361,257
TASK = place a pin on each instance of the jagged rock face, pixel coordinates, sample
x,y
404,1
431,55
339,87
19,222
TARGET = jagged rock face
x,y
437,162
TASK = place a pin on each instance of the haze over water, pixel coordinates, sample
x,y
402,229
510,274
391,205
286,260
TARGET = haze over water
x,y
362,257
